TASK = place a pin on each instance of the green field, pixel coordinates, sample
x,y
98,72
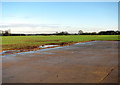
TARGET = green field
x,y
21,42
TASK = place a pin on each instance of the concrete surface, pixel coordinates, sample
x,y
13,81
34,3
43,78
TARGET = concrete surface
x,y
93,62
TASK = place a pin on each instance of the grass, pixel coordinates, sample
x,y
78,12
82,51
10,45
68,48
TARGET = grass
x,y
21,42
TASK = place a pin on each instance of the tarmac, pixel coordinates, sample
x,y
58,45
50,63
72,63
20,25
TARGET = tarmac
x,y
89,62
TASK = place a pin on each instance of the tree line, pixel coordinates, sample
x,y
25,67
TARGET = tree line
x,y
80,32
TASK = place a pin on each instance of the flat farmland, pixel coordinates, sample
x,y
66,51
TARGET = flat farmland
x,y
29,42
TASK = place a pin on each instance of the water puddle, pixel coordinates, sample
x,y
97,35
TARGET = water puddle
x,y
2,52
86,43
41,51
46,46
9,52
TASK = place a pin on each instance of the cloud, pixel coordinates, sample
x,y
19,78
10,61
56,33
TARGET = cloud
x,y
33,25
35,28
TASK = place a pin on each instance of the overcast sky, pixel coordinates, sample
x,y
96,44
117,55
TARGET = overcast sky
x,y
51,17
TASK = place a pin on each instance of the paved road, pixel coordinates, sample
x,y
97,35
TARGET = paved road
x,y
92,62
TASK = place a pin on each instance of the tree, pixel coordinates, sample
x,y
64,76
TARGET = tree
x,y
6,33
80,32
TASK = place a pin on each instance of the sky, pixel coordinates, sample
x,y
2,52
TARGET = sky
x,y
51,17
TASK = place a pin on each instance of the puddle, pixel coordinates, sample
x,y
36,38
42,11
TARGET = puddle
x,y
86,43
46,46
41,51
9,52
2,52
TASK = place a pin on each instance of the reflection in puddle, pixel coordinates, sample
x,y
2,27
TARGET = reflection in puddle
x,y
46,46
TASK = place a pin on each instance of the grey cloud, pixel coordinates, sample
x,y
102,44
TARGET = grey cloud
x,y
34,25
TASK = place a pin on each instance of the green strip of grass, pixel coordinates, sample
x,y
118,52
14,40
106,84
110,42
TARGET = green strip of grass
x,y
15,42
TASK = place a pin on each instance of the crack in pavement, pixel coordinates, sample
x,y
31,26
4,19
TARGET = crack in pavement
x,y
107,74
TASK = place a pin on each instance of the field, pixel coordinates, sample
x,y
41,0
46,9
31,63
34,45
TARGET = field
x,y
22,42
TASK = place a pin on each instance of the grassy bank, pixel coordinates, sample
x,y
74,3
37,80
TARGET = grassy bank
x,y
22,42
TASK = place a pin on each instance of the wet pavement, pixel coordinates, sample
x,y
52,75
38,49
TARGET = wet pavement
x,y
89,62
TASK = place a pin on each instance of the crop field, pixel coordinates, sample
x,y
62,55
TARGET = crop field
x,y
21,42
